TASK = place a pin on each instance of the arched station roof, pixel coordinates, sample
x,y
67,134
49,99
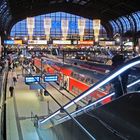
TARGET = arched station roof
x,y
109,11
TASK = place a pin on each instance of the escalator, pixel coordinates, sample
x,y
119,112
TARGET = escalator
x,y
117,120
112,120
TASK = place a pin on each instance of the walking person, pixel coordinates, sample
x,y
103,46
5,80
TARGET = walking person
x,y
65,84
14,80
11,90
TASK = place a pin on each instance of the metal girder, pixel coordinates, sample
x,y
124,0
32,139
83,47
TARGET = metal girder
x,y
120,32
105,10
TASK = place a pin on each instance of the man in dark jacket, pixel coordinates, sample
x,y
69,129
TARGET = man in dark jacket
x,y
14,80
11,89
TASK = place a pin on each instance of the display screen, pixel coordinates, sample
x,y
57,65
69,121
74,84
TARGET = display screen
x,y
50,78
9,42
32,79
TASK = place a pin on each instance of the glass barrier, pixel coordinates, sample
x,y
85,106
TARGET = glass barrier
x,y
105,90
118,82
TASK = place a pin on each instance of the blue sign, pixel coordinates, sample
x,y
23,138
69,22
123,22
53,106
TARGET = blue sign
x,y
32,79
72,25
50,78
56,24
9,42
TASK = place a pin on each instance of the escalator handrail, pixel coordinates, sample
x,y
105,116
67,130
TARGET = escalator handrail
x,y
113,74
78,112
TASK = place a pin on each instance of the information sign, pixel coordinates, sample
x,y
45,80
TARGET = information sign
x,y
32,79
50,78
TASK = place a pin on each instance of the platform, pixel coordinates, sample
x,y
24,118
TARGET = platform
x,y
26,103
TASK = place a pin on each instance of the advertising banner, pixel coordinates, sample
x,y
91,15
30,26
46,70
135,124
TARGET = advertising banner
x,y
30,22
47,27
96,24
64,23
64,27
81,23
47,23
30,31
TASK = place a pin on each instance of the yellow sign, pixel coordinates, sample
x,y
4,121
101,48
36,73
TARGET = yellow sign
x,y
18,42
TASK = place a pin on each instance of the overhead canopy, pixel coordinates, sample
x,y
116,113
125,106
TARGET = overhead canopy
x,y
12,11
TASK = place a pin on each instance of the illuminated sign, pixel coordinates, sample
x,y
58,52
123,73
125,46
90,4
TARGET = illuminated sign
x,y
109,43
57,24
75,42
18,42
41,42
128,44
102,43
86,42
62,42
32,79
50,78
13,42
9,42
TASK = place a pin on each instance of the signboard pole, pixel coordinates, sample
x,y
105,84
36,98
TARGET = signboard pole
x,y
63,65
41,90
41,68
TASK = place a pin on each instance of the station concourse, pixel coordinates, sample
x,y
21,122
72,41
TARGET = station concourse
x,y
58,80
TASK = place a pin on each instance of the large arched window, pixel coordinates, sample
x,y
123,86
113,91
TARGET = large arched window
x,y
20,29
114,26
127,22
137,18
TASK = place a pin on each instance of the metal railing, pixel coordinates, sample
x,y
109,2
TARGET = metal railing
x,y
93,105
3,104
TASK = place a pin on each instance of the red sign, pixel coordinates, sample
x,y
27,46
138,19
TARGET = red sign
x,y
86,42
